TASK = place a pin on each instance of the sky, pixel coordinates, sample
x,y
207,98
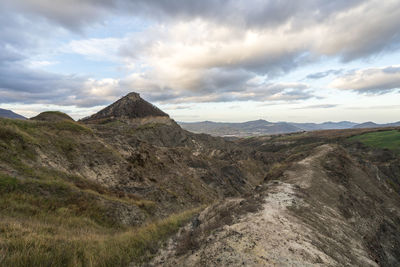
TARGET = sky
x,y
218,60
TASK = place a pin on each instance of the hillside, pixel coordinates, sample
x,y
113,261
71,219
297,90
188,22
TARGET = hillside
x,y
113,189
333,203
107,180
5,113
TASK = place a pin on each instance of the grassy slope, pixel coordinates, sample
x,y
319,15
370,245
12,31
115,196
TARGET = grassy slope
x,y
51,218
382,139
52,116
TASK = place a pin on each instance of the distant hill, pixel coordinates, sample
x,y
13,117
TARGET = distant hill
x,y
5,113
325,125
368,124
258,127
371,124
263,127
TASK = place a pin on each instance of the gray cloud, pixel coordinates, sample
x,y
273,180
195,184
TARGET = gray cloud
x,y
177,107
29,86
71,14
323,74
221,80
22,84
321,106
271,92
74,14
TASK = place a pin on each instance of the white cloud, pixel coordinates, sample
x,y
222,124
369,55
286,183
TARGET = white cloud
x,y
374,80
98,49
36,64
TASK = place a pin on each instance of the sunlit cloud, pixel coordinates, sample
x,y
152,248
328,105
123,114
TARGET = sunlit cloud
x,y
376,80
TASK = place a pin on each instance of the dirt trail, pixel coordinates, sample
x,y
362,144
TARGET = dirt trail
x,y
297,226
303,172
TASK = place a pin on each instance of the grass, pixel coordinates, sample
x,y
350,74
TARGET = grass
x,y
38,180
45,199
70,126
20,140
381,139
35,128
51,220
54,219
33,243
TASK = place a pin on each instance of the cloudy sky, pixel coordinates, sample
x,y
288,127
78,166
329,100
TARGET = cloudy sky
x,y
220,60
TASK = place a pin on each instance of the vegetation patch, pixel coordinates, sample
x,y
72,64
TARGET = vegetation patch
x,y
381,139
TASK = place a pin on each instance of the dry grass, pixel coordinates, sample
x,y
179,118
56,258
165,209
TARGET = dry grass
x,y
49,218
40,243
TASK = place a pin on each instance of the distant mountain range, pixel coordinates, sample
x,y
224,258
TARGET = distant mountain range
x,y
5,113
263,127
241,129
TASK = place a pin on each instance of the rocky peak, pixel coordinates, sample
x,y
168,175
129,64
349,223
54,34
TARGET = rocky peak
x,y
131,106
133,96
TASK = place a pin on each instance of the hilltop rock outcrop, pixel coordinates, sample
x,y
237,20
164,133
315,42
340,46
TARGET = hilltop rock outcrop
x,y
131,106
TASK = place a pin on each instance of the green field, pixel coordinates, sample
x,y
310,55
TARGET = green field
x,y
382,139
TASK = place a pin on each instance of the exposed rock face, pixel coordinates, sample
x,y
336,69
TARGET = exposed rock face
x,y
131,106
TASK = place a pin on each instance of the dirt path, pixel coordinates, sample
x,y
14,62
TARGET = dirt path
x,y
303,172
277,235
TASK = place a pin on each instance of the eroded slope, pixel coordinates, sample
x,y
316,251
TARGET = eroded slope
x,y
326,209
